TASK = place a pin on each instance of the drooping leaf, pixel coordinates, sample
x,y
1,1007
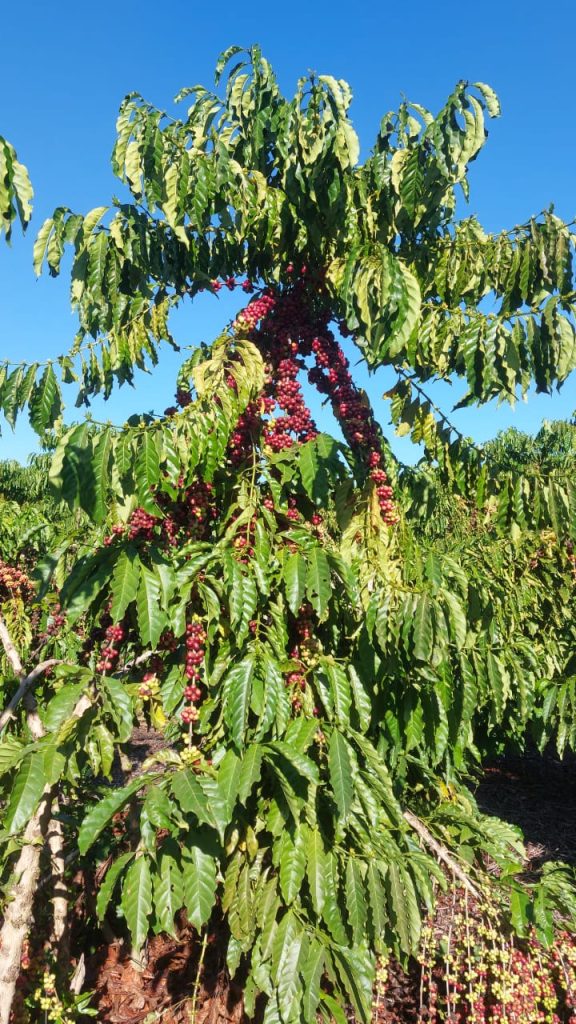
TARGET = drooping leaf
x,y
151,617
199,884
137,899
101,814
124,584
26,793
340,773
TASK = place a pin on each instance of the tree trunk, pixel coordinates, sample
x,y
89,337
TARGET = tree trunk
x,y
18,912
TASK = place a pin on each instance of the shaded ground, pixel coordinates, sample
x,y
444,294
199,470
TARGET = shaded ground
x,y
538,793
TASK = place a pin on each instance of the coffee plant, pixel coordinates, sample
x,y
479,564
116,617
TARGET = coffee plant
x,y
327,642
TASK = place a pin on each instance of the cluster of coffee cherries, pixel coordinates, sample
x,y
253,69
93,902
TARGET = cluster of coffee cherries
x,y
256,310
289,328
183,397
279,433
304,653
244,539
231,283
190,515
492,977
149,686
14,582
285,339
246,432
195,652
333,378
168,641
111,650
140,526
56,620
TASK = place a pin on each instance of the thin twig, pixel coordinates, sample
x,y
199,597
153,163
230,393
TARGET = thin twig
x,y
134,663
197,978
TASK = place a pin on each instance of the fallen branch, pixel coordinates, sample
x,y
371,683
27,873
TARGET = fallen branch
x,y
441,852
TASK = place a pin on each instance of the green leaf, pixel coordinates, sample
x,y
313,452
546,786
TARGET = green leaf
x,y
309,468
12,751
228,780
109,883
137,900
423,628
331,911
490,98
151,617
216,805
190,795
285,961
84,584
316,868
318,586
26,793
312,971
100,816
355,899
340,767
456,617
168,892
106,747
249,772
62,705
403,906
159,808
302,764
236,699
167,578
356,969
147,471
45,402
340,689
361,699
335,1010
377,900
119,705
124,584
199,882
295,581
96,504
292,858
498,683
41,245
241,914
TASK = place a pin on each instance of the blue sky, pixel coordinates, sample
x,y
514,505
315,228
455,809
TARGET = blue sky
x,y
66,66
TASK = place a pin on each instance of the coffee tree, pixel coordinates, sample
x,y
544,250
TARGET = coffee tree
x,y
323,663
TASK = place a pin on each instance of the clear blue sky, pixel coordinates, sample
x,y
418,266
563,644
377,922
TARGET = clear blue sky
x,y
66,66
